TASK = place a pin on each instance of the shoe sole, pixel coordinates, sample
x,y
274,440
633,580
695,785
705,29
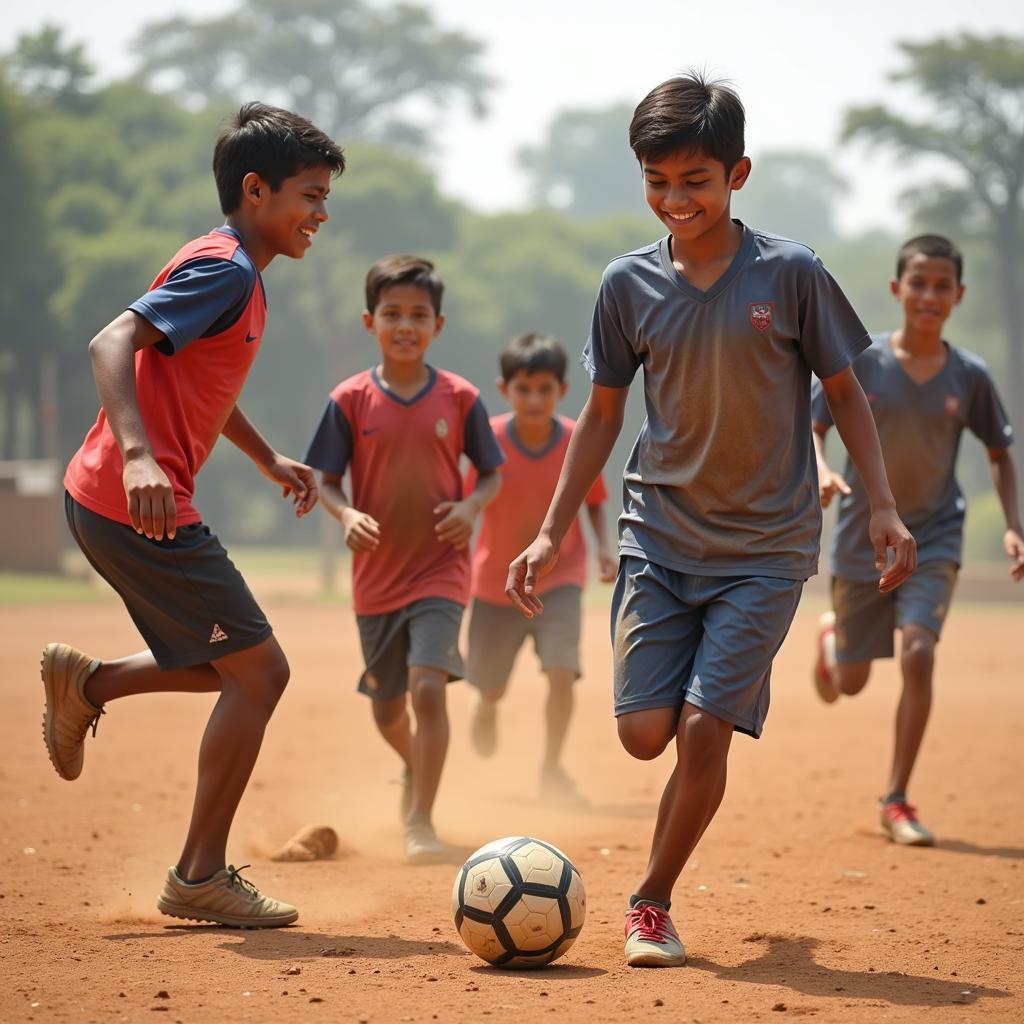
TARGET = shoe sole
x,y
921,841
187,913
47,669
823,683
653,960
427,857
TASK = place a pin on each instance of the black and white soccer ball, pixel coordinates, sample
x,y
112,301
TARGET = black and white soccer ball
x,y
519,902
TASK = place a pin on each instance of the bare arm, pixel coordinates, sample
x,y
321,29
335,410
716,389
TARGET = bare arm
x,y
856,426
1004,477
293,477
591,444
607,562
829,483
362,531
458,517
148,492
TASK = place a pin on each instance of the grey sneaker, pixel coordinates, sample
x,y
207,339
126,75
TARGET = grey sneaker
x,y
227,899
483,729
651,938
422,845
67,716
898,820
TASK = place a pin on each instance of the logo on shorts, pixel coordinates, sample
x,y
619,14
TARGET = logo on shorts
x,y
441,427
761,314
217,635
952,405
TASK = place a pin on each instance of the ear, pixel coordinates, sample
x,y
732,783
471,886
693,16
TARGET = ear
x,y
563,390
368,321
894,287
740,173
502,385
438,324
254,188
959,294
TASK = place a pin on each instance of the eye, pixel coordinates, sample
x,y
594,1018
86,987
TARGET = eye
x,y
696,184
655,184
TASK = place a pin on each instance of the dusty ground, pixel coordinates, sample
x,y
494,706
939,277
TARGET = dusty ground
x,y
791,905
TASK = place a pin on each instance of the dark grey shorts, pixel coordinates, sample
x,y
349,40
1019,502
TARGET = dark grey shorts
x,y
496,632
702,640
184,595
423,634
867,619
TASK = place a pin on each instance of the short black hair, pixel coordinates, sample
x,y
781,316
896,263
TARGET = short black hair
x,y
533,352
932,246
272,142
689,113
403,269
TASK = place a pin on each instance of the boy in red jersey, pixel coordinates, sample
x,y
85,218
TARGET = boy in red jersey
x,y
169,371
534,440
400,430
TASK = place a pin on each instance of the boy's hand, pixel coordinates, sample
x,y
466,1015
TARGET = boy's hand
x,y
829,485
608,566
886,530
456,526
362,531
150,497
538,559
1014,545
295,479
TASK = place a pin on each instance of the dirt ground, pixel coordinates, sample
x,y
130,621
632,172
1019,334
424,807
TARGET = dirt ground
x,y
791,905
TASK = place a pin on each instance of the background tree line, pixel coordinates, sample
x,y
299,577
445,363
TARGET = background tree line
x,y
105,181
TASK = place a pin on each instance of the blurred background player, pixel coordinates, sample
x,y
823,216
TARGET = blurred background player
x,y
721,523
400,430
923,393
169,371
533,439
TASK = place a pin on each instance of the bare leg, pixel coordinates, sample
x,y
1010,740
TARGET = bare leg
x,y
851,676
557,712
252,682
917,660
427,689
139,673
392,720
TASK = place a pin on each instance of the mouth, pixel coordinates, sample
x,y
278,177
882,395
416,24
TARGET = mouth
x,y
681,218
307,233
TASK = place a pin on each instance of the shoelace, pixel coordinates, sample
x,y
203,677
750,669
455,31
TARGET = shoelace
x,y
903,812
651,922
236,880
92,724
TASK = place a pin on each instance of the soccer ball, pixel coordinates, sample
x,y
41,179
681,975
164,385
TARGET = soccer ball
x,y
518,902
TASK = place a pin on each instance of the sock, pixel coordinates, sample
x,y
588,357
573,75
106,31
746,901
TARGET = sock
x,y
196,881
895,798
635,901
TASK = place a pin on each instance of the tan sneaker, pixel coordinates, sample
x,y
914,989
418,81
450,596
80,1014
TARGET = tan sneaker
x,y
483,728
824,678
651,938
227,898
67,715
422,845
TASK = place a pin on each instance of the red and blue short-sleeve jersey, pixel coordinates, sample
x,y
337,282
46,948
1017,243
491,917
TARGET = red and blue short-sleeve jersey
x,y
403,458
210,305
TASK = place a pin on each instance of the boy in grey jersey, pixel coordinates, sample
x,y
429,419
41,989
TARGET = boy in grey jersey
x,y
923,393
720,521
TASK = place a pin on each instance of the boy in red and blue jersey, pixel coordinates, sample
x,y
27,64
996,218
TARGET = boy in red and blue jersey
x,y
533,439
399,430
169,371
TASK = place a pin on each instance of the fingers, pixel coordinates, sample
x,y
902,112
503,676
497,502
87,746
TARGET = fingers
x,y
170,515
825,494
904,564
135,512
528,604
842,485
156,507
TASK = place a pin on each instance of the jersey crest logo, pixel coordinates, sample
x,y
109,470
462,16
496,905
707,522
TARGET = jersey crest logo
x,y
441,427
761,315
217,635
952,405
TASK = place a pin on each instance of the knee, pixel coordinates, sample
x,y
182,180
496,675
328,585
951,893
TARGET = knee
x,y
642,740
387,713
271,678
918,655
706,741
427,692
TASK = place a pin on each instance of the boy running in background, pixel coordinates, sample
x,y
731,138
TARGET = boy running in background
x,y
533,439
923,393
169,371
400,430
721,521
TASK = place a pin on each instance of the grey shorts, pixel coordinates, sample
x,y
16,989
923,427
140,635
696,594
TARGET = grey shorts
x,y
184,595
496,632
867,619
702,640
424,634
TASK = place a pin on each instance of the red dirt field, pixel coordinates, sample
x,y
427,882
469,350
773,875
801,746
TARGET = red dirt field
x,y
791,906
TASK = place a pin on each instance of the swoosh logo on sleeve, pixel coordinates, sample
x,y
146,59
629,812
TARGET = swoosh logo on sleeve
x,y
249,338
369,430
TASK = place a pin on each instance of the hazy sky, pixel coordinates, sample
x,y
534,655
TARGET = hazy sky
x,y
796,63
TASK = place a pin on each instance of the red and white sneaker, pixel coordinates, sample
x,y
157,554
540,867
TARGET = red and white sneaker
x,y
824,682
651,938
898,821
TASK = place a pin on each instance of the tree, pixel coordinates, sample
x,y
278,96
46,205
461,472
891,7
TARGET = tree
x,y
43,67
975,89
353,67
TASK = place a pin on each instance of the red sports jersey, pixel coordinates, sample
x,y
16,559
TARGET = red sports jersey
x,y
513,519
403,457
184,398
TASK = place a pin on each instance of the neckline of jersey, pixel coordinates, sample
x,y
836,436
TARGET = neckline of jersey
x,y
723,282
226,229
387,393
890,354
532,453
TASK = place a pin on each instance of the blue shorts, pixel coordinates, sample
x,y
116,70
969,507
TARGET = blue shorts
x,y
703,640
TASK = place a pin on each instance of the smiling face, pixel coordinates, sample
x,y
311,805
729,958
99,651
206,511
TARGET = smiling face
x,y
927,290
404,323
286,220
690,192
533,396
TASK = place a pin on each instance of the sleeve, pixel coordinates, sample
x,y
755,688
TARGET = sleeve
x,y
479,442
598,494
986,417
198,295
831,333
609,357
330,450
820,412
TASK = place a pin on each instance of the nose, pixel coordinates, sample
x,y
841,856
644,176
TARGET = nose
x,y
320,212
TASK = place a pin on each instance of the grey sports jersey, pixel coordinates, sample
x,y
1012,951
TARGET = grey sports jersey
x,y
919,426
722,479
